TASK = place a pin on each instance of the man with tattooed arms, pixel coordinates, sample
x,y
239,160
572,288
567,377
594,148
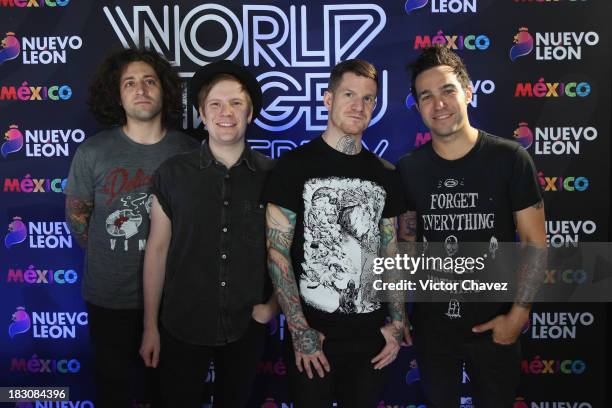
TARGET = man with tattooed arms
x,y
471,187
331,210
108,204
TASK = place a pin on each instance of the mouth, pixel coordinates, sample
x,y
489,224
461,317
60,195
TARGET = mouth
x,y
443,116
225,124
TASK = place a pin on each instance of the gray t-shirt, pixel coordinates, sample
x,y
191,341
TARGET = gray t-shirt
x,y
115,172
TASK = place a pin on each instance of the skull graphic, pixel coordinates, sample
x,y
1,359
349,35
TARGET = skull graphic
x,y
451,245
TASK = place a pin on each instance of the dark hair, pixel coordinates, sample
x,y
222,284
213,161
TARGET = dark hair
x,y
104,97
435,56
204,91
356,66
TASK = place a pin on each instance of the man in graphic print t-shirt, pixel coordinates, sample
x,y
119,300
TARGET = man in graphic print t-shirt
x,y
467,186
108,203
331,210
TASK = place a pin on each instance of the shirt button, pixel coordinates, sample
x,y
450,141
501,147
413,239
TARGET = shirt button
x,y
261,206
223,256
222,283
224,229
226,203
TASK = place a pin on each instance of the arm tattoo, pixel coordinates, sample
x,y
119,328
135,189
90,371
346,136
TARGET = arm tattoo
x,y
388,248
531,273
78,212
347,145
280,226
407,227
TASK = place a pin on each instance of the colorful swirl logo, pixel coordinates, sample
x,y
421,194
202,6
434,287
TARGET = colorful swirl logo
x,y
412,5
20,322
524,135
17,233
523,44
10,48
14,141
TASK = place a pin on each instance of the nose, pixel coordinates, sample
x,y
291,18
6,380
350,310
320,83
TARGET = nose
x,y
226,109
141,88
358,104
439,102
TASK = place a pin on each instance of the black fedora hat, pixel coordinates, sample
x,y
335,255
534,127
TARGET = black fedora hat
x,y
207,73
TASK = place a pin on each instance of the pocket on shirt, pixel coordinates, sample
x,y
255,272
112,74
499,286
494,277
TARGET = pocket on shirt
x,y
254,223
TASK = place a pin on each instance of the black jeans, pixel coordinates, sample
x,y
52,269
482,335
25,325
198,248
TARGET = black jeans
x,y
116,335
352,381
184,367
493,369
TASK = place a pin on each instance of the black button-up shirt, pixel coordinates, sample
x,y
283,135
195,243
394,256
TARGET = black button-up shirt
x,y
216,264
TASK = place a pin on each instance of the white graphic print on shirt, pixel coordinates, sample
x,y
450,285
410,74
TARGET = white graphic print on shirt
x,y
341,240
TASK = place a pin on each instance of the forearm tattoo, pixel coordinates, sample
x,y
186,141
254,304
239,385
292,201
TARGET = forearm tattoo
x,y
280,227
78,213
388,248
531,273
407,226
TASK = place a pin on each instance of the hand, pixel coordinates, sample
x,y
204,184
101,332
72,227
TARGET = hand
x,y
407,340
150,346
506,328
308,348
393,333
263,313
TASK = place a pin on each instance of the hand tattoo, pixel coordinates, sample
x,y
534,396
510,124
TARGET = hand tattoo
x,y
306,341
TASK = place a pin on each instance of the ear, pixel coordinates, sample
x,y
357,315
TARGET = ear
x,y
468,94
328,97
201,112
250,118
416,105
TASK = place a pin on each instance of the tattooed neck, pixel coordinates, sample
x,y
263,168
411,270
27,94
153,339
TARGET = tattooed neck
x,y
347,145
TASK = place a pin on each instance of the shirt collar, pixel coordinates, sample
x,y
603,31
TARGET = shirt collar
x,y
206,157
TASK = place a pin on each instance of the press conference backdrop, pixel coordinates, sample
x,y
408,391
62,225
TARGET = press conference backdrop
x,y
540,74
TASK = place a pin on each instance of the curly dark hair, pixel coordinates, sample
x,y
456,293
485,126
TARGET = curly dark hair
x,y
104,97
437,55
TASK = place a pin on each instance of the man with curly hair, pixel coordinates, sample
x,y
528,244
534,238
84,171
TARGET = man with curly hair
x,y
108,202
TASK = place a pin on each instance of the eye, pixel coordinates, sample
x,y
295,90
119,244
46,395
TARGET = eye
x,y
348,94
370,100
128,84
213,104
425,97
237,103
151,82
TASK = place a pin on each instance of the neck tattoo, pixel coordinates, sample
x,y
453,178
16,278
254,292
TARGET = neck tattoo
x,y
347,145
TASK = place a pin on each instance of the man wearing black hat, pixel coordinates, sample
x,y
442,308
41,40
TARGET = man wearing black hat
x,y
206,251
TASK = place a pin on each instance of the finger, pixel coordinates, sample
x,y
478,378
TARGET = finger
x,y
385,362
483,327
317,366
298,362
380,356
308,368
407,340
324,362
155,357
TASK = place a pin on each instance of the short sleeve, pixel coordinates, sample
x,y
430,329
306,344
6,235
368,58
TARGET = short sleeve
x,y
524,187
160,188
395,202
282,185
403,172
81,178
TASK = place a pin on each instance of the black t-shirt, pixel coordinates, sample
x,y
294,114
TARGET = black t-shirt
x,y
471,199
339,200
